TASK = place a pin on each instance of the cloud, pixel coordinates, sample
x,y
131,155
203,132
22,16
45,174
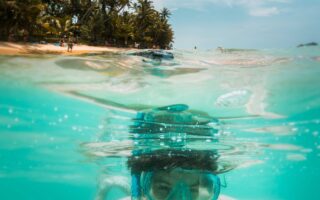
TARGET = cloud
x,y
264,12
260,8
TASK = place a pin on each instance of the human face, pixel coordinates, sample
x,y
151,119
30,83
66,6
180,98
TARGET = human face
x,y
175,185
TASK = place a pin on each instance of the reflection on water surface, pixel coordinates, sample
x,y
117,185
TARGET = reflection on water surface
x,y
117,126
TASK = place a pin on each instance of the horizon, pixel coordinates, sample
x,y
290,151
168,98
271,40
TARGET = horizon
x,y
245,24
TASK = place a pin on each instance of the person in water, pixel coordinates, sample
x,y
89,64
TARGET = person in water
x,y
169,169
173,174
169,174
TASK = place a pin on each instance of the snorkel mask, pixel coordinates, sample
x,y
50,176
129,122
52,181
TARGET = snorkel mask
x,y
179,184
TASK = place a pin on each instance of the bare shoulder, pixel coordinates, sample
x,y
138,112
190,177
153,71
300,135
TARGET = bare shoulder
x,y
224,197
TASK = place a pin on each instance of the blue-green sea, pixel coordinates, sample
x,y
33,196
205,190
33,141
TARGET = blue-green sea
x,y
66,121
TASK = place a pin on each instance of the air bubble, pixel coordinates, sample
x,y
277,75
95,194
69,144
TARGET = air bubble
x,y
100,127
315,133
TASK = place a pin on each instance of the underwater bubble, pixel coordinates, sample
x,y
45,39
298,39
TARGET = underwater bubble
x,y
55,109
315,133
296,157
66,116
100,127
10,110
233,99
74,128
16,120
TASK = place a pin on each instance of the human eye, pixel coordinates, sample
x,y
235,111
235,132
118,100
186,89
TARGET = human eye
x,y
194,189
163,187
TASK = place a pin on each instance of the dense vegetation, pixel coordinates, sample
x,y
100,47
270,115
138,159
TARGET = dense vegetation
x,y
112,22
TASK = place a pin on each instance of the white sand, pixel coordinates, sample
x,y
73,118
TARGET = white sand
x,y
8,48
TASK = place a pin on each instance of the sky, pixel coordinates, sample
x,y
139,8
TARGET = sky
x,y
261,24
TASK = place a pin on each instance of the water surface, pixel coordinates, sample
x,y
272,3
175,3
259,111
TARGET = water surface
x,y
65,121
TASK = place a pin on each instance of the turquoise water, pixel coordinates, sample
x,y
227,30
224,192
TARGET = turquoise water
x,y
65,121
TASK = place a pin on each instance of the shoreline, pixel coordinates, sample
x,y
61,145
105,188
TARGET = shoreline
x,y
11,49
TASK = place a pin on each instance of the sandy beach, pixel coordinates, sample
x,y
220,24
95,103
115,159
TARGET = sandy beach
x,y
9,48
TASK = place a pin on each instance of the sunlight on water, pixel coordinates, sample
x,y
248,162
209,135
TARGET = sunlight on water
x,y
83,124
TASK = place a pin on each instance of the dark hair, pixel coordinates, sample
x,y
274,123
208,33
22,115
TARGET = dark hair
x,y
168,159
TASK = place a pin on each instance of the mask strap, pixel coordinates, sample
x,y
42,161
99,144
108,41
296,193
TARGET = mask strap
x,y
135,186
146,184
216,185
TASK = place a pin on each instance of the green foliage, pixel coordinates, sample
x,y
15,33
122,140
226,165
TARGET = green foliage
x,y
116,22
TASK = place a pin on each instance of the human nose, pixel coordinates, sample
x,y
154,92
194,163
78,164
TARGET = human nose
x,y
180,192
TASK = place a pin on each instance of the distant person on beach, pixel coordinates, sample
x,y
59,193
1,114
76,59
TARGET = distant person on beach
x,y
61,43
70,43
25,35
221,49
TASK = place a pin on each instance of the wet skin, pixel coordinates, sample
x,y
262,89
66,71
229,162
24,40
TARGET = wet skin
x,y
164,182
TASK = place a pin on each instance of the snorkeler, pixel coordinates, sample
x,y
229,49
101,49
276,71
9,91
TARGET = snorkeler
x,y
173,174
169,168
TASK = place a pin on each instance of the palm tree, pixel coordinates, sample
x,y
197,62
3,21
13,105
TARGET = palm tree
x,y
145,18
121,22
165,13
20,15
